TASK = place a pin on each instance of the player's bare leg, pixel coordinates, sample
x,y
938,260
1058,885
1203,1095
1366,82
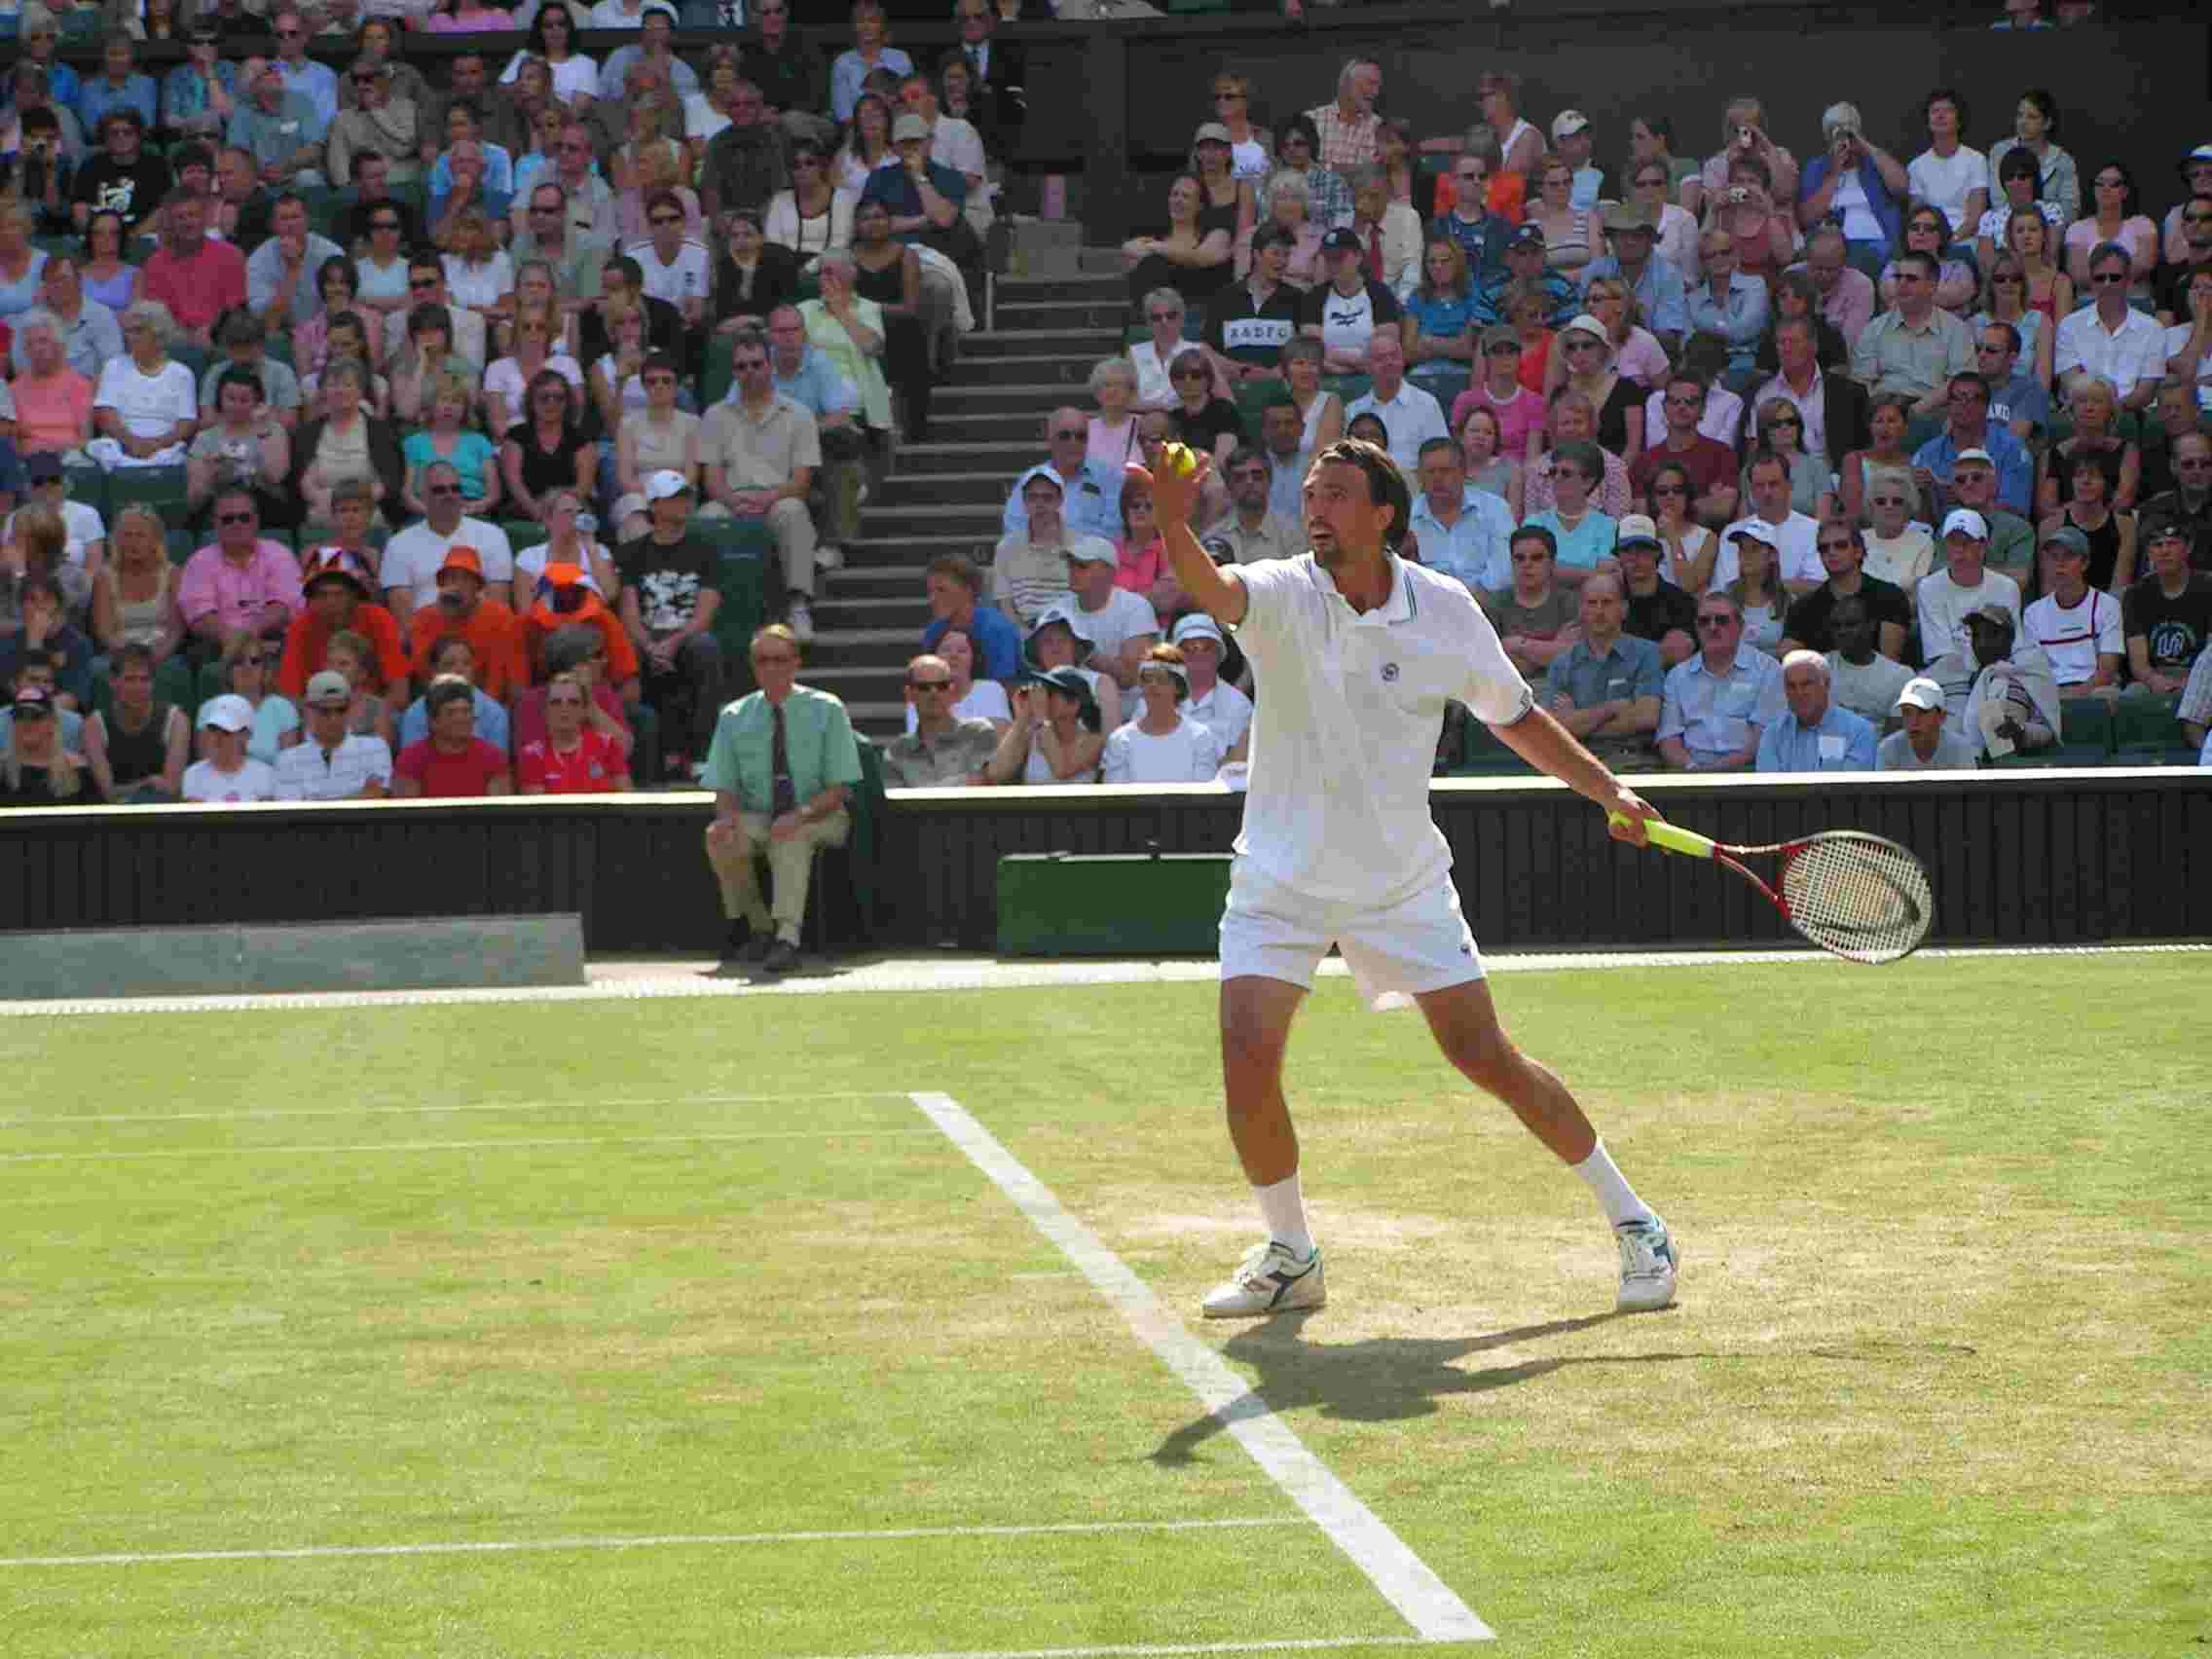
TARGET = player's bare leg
x,y
1285,1272
1464,1022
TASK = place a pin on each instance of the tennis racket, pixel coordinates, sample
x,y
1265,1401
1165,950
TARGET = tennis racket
x,y
1858,896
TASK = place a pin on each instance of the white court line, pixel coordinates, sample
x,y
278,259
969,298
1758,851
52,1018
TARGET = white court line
x,y
465,1106
455,1146
1425,1601
663,1540
1288,1644
906,975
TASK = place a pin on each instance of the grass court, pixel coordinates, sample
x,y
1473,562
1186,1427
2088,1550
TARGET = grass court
x,y
680,1328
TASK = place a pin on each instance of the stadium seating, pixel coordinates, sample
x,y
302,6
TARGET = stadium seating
x,y
2146,731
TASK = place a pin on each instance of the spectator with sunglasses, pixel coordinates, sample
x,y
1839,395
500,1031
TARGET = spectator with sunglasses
x,y
2111,340
242,583
2113,221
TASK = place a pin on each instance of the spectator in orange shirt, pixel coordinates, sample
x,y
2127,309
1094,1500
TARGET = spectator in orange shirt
x,y
563,600
492,631
338,595
198,278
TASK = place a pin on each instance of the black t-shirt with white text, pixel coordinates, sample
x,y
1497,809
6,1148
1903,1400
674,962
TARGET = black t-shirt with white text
x,y
668,579
134,191
1245,332
2174,628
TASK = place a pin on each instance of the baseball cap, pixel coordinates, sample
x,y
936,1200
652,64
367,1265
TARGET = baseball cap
x,y
2070,539
2158,527
1584,324
1920,692
1501,334
1636,530
1568,123
1211,132
1755,530
908,126
1090,550
2202,153
42,466
228,713
667,482
1976,454
38,702
1964,521
1340,241
1198,624
328,686
1996,615
459,558
1627,216
1528,236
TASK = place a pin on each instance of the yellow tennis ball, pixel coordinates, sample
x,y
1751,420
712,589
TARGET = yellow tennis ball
x,y
1182,459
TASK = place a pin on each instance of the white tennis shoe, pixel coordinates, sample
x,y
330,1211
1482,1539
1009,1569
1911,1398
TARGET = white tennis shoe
x,y
1271,1280
1649,1265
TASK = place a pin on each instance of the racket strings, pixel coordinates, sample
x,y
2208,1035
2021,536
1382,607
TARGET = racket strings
x,y
1863,899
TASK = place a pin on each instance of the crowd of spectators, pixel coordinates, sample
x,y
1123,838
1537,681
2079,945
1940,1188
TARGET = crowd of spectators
x,y
417,368
1733,451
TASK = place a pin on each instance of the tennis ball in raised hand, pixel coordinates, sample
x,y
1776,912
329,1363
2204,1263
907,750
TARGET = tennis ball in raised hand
x,y
1181,457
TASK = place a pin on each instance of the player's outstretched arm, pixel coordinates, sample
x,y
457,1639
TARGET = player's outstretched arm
x,y
1549,747
1218,590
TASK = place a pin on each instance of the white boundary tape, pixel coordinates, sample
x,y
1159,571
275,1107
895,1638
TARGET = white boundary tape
x,y
205,1152
664,1540
1289,1645
908,974
1425,1601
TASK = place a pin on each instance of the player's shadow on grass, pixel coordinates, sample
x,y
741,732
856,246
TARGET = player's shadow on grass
x,y
1381,1380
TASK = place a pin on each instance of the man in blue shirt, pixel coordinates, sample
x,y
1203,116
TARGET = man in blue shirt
x,y
954,587
1605,688
1968,430
1525,263
1657,286
1461,531
2016,399
811,381
1731,305
867,54
1815,735
280,130
303,77
1092,503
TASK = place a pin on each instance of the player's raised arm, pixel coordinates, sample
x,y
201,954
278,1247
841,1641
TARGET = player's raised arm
x,y
1219,590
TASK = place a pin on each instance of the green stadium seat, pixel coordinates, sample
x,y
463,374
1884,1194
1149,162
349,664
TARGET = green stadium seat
x,y
1349,386
161,488
715,379
2146,731
522,532
88,484
180,543
324,206
2085,734
197,359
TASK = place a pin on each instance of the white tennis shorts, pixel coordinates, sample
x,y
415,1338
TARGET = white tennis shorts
x,y
1395,952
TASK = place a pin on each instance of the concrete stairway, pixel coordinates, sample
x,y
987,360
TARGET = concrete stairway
x,y
945,495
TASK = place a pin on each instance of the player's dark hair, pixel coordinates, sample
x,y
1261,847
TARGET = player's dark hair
x,y
1385,486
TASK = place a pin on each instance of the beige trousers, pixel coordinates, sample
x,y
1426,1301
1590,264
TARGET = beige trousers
x,y
790,866
792,527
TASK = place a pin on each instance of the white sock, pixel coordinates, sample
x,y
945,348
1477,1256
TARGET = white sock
x,y
1282,1207
1615,1196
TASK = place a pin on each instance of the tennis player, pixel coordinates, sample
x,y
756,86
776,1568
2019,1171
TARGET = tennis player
x,y
1356,651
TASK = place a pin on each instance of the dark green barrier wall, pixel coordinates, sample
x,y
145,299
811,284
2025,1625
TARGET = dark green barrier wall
x,y
2028,857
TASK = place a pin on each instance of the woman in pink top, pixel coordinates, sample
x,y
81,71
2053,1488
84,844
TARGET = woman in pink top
x,y
467,17
1498,389
2114,220
54,402
1140,562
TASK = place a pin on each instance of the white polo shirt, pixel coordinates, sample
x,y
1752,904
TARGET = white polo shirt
x,y
1343,739
410,559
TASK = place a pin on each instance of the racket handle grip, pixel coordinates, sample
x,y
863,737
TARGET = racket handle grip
x,y
1673,837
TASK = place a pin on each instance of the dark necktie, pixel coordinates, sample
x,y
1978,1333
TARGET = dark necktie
x,y
1375,251
784,797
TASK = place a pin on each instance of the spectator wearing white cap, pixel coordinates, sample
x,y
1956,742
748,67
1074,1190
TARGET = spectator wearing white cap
x,y
334,764
1213,702
2012,538
667,606
2077,626
1573,141
1163,744
1794,535
1817,735
1927,744
1944,596
227,773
